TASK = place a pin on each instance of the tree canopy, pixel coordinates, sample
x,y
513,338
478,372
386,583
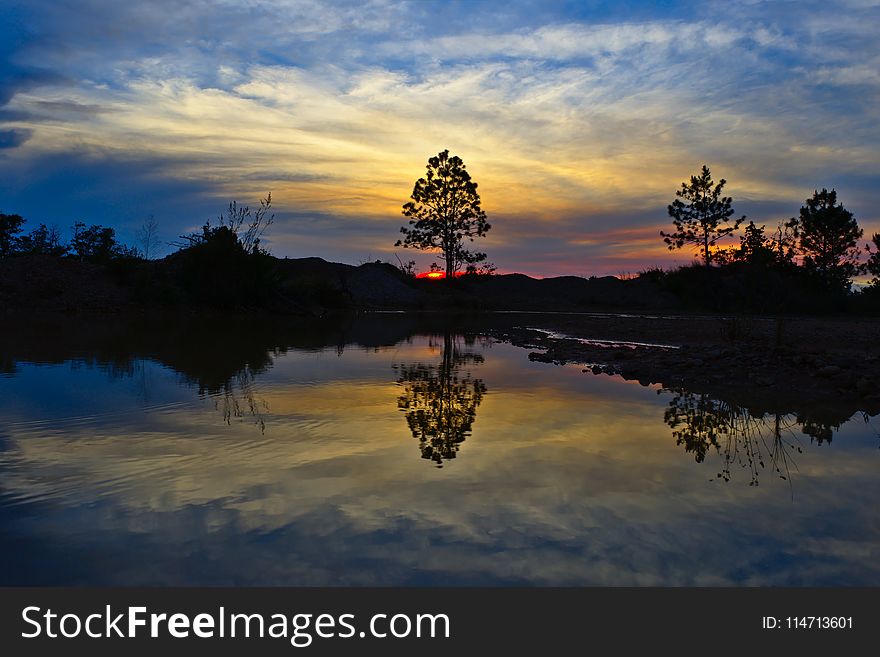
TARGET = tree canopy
x,y
444,212
755,247
42,240
873,264
827,237
10,226
700,215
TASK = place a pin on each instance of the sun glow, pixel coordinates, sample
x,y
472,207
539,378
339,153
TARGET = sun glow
x,y
437,275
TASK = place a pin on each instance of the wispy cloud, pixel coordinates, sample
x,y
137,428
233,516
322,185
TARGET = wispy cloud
x,y
564,123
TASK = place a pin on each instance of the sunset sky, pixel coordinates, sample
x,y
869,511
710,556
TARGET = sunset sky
x,y
578,120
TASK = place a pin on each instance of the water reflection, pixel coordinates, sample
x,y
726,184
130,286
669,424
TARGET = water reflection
x,y
440,400
742,438
564,479
700,422
238,397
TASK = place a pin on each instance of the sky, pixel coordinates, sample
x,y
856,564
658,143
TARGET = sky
x,y
578,120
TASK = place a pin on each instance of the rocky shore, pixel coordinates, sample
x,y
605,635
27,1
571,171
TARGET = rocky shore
x,y
824,367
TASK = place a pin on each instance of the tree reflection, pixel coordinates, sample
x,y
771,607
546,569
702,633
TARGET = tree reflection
x,y
237,397
750,442
440,401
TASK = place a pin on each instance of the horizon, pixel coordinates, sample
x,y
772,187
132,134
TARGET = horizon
x,y
578,121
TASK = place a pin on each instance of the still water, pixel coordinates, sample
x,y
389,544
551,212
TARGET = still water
x,y
385,452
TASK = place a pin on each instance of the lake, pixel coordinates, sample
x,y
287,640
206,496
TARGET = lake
x,y
399,450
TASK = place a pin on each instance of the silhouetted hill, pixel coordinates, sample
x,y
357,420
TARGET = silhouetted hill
x,y
313,286
299,286
519,292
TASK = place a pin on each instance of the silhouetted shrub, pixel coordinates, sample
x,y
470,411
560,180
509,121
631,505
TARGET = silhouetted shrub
x,y
747,287
98,244
42,241
220,272
10,226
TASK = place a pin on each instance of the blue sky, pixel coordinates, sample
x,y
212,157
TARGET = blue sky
x,y
579,120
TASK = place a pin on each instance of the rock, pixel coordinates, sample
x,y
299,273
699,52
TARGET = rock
x,y
798,360
829,371
694,362
764,381
866,387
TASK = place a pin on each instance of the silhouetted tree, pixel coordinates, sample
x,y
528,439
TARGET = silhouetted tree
x,y
42,241
148,237
10,226
873,264
96,243
486,269
700,215
827,236
444,211
784,244
440,404
755,247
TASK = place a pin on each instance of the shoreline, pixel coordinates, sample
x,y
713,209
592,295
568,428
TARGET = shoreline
x,y
740,360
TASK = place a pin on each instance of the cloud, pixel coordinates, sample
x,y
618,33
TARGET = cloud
x,y
568,121
14,138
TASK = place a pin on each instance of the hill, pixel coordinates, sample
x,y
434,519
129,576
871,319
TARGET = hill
x,y
301,286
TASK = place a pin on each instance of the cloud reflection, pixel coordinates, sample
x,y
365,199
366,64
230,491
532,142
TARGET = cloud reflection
x,y
568,479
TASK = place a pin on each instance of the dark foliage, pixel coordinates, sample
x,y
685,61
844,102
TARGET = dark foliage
x,y
873,264
444,211
700,215
10,226
749,287
827,237
223,266
97,243
219,272
42,241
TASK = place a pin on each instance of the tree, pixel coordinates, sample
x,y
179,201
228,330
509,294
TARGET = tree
x,y
784,244
700,215
10,226
873,264
96,243
827,235
754,246
444,211
42,241
148,237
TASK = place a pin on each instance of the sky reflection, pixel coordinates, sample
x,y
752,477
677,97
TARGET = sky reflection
x,y
565,478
